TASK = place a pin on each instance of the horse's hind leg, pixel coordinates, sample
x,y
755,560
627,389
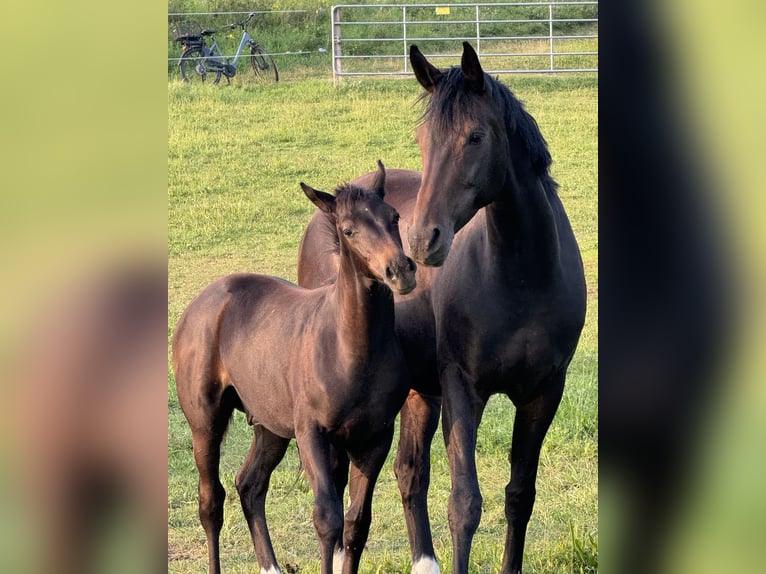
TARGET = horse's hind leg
x,y
208,428
207,453
419,421
529,429
252,482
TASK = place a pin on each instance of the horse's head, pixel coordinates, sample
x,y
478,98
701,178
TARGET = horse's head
x,y
464,147
368,229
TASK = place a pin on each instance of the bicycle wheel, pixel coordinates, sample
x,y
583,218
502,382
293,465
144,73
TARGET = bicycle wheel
x,y
263,65
193,68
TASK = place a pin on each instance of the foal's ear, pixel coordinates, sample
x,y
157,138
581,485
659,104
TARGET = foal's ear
x,y
427,74
322,200
474,75
379,183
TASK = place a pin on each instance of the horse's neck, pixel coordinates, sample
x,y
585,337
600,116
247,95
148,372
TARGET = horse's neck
x,y
365,311
522,223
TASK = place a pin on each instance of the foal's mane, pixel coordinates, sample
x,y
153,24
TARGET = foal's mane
x,y
452,103
346,195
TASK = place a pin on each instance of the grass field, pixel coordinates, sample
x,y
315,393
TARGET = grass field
x,y
235,157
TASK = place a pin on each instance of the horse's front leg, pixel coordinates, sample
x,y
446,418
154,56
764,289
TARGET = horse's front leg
x,y
340,479
529,429
365,468
418,423
462,413
318,458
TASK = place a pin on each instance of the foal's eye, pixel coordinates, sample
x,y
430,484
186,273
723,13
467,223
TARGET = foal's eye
x,y
475,138
348,232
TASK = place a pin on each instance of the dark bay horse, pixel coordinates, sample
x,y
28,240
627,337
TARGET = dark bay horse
x,y
323,366
500,302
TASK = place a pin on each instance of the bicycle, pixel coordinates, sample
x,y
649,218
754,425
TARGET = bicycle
x,y
198,60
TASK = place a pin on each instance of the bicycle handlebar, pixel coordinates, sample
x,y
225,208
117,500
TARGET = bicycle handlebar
x,y
241,24
246,20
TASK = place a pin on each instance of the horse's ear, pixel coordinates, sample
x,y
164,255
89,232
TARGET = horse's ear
x,y
379,183
322,200
427,74
474,75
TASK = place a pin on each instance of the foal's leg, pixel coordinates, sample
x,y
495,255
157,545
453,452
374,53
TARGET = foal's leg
x,y
419,420
460,420
252,482
206,442
364,474
318,458
340,479
529,429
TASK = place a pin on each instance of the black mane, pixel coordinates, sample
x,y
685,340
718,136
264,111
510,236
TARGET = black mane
x,y
451,104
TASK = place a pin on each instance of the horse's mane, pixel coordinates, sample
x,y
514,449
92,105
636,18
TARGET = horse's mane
x,y
452,103
347,194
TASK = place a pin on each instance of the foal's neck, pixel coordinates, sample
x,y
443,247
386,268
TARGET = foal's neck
x,y
365,310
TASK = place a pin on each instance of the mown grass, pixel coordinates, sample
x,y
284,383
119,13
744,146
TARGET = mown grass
x,y
235,157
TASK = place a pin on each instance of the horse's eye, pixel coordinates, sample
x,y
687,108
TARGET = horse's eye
x,y
348,232
475,138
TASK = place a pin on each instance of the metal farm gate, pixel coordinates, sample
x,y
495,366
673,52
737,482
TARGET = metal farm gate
x,y
519,37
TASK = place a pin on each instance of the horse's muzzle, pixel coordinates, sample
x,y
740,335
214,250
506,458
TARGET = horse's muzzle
x,y
429,247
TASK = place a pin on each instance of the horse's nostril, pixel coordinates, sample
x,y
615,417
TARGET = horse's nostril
x,y
411,264
389,273
434,237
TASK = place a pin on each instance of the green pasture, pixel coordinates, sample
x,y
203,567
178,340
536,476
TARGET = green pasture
x,y
235,157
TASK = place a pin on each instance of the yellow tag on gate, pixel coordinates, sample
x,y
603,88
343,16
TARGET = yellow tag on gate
x,y
442,10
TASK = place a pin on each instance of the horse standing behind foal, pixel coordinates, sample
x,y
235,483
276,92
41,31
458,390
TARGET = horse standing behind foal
x,y
500,302
323,366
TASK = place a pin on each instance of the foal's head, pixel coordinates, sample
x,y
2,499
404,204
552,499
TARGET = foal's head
x,y
465,149
368,231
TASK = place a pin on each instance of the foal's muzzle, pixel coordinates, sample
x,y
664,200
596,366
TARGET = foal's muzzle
x,y
400,275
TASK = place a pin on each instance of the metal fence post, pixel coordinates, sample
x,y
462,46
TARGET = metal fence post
x,y
478,33
337,50
404,35
550,30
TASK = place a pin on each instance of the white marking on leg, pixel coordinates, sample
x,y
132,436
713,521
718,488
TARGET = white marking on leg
x,y
425,565
337,561
272,570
